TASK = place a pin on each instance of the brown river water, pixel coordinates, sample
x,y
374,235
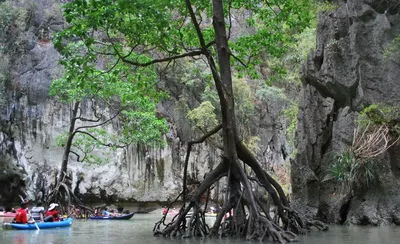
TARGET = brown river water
x,y
138,230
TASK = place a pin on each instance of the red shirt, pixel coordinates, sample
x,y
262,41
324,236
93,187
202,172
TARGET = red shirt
x,y
54,213
22,216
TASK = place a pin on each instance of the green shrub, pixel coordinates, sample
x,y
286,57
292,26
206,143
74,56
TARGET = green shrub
x,y
203,116
291,114
355,173
380,114
392,51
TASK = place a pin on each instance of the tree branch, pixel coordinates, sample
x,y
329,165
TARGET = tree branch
x,y
101,143
189,148
240,61
210,59
154,61
77,155
230,19
98,125
98,116
88,120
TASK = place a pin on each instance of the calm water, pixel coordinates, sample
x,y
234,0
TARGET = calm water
x,y
138,230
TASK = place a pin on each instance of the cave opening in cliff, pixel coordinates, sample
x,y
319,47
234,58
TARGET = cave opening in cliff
x,y
344,211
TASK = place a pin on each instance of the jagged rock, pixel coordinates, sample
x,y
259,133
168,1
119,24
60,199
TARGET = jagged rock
x,y
348,70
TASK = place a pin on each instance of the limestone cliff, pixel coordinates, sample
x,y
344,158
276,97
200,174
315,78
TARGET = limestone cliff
x,y
348,71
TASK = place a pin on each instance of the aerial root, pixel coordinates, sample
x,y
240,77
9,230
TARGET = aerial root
x,y
264,228
195,227
256,226
284,227
318,224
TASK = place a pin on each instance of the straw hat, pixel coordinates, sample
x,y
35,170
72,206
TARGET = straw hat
x,y
53,206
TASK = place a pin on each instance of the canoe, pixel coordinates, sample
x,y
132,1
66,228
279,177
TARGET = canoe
x,y
213,215
121,217
171,213
42,225
7,214
210,214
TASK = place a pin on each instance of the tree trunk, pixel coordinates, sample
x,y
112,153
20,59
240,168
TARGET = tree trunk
x,y
258,224
226,98
68,145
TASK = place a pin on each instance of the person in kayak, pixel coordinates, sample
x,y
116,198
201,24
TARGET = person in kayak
x,y
38,212
105,213
22,215
96,211
52,214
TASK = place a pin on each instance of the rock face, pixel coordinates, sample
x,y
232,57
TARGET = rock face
x,y
348,71
31,121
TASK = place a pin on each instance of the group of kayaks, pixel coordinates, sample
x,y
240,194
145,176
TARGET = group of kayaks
x,y
67,222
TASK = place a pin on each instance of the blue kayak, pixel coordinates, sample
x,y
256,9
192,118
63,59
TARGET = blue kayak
x,y
42,225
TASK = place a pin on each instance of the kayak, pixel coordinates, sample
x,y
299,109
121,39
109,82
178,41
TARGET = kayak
x,y
173,213
42,225
210,214
7,214
213,215
121,217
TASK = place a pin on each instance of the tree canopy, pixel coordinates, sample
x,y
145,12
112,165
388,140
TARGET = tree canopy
x,y
126,39
144,32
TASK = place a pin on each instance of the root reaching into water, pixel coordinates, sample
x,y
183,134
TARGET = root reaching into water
x,y
245,213
67,200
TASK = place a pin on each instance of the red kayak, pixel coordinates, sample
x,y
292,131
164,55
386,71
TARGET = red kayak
x,y
7,214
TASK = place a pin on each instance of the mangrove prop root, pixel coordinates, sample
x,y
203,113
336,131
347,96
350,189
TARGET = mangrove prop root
x,y
258,224
64,196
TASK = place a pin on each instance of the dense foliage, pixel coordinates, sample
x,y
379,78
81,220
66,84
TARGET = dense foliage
x,y
159,30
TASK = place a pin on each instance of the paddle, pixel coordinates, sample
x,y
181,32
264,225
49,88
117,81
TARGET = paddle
x,y
37,227
34,221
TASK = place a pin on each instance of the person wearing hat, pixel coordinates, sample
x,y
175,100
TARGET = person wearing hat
x,y
52,213
22,216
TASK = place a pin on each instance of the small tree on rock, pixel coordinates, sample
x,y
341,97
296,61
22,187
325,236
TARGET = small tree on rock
x,y
97,97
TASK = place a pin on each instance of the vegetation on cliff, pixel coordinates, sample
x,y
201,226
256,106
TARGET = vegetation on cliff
x,y
377,130
15,26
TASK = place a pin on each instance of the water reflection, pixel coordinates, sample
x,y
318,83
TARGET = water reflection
x,y
50,236
354,235
138,230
